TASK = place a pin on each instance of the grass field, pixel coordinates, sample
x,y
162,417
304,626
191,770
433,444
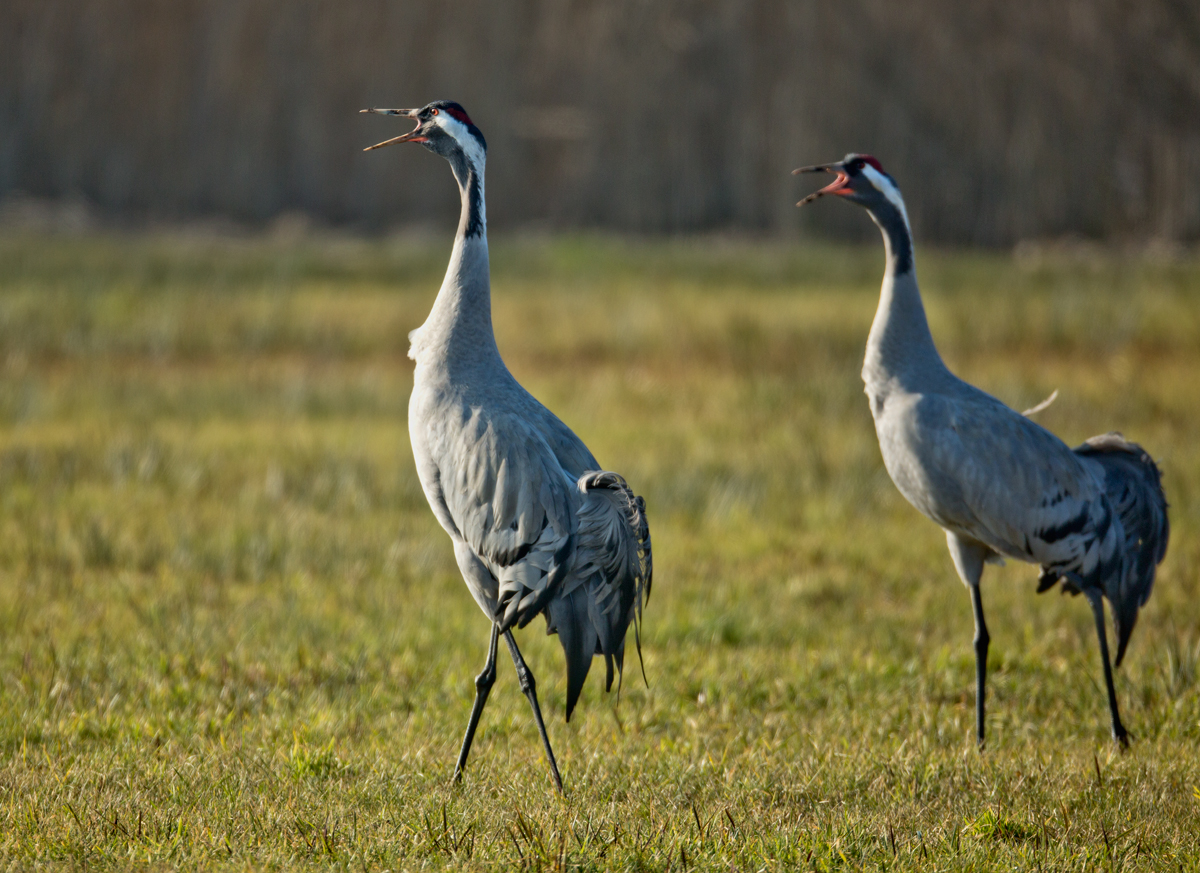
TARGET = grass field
x,y
232,635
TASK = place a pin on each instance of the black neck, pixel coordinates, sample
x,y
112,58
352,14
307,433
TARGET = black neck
x,y
469,183
896,236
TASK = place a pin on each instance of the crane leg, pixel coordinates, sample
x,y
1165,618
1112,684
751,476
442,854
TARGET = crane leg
x,y
981,649
529,686
483,686
968,556
1119,733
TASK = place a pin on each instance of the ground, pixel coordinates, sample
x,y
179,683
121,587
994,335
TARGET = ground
x,y
232,635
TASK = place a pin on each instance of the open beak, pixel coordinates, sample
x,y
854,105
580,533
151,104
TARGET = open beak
x,y
411,136
840,185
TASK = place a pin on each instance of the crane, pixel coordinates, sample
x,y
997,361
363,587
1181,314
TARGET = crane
x,y
1000,485
538,527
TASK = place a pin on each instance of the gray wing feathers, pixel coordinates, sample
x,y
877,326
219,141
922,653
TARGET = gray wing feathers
x,y
609,580
996,477
1133,486
515,509
573,456
1094,516
576,550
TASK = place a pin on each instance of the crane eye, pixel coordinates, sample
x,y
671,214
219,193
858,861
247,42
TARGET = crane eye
x,y
858,164
434,112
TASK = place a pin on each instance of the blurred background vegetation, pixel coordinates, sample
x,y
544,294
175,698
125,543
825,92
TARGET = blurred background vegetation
x,y
1004,120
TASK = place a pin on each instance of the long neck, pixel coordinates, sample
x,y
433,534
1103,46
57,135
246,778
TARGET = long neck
x,y
458,330
900,345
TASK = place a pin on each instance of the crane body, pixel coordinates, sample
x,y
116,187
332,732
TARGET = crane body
x,y
538,528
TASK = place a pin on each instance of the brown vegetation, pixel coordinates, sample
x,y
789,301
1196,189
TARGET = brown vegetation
x,y
1003,120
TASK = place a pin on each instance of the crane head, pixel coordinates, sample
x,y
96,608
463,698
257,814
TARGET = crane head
x,y
860,179
442,126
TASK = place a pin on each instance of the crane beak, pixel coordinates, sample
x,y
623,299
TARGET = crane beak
x,y
840,185
411,136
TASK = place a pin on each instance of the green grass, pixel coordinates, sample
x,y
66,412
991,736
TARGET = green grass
x,y
232,635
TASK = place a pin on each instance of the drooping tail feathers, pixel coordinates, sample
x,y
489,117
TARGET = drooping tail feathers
x,y
610,579
1133,485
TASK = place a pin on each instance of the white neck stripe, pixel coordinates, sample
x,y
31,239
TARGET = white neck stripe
x,y
888,189
470,145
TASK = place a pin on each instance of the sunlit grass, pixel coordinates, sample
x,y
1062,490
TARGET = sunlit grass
x,y
231,633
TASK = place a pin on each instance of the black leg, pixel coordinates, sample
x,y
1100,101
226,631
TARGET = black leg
x,y
1118,730
981,649
525,676
483,685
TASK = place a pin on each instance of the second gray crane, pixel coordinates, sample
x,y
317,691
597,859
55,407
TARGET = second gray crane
x,y
1094,518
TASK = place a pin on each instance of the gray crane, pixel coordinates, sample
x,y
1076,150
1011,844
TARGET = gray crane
x,y
538,527
1094,518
